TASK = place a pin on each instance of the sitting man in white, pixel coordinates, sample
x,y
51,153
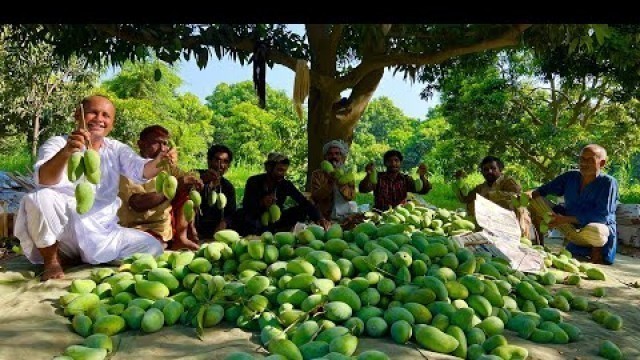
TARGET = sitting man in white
x,y
48,226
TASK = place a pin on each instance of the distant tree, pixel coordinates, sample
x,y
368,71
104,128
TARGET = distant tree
x,y
351,57
253,132
38,92
540,122
142,99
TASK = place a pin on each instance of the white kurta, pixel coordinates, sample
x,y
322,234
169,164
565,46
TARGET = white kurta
x,y
49,215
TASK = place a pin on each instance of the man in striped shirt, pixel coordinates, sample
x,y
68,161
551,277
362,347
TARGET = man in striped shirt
x,y
393,186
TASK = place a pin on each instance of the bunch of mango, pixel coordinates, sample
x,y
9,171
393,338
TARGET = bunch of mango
x,y
166,184
313,294
271,216
461,186
85,164
218,198
431,221
344,175
192,205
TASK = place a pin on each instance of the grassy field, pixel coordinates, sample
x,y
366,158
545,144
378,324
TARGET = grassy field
x,y
441,195
20,162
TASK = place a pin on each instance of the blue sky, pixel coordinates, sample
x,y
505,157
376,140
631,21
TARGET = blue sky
x,y
404,95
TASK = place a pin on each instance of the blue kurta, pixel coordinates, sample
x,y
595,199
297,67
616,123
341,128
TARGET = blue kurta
x,y
595,204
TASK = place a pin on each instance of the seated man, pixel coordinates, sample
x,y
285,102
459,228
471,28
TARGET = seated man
x,y
588,217
50,229
329,196
497,187
392,186
212,219
145,209
270,188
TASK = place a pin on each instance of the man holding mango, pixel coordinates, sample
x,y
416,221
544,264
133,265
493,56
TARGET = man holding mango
x,y
499,188
146,207
390,188
331,189
61,221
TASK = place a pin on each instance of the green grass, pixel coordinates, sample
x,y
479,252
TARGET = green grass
x,y
17,162
441,195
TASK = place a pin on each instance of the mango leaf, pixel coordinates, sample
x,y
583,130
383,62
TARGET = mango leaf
x,y
200,321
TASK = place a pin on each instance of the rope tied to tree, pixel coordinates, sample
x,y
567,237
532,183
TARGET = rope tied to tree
x,y
259,72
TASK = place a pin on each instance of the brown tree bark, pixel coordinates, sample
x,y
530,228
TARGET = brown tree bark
x,y
35,136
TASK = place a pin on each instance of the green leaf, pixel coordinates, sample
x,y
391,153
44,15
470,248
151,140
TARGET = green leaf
x,y
200,321
157,75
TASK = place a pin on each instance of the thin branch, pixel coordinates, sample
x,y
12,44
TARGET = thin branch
x,y
335,37
528,155
510,37
315,32
535,119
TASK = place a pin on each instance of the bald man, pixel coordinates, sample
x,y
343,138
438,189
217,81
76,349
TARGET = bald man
x,y
50,229
588,217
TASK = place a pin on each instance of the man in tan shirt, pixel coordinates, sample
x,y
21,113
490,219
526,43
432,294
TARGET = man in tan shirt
x,y
329,196
145,209
498,188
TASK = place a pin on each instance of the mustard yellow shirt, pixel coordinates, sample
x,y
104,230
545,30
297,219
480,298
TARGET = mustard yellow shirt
x,y
157,219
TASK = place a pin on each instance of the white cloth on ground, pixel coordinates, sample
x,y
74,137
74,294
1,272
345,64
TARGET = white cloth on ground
x,y
48,214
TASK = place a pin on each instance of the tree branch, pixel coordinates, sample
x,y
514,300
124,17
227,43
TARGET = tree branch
x,y
528,155
536,120
316,34
335,37
509,38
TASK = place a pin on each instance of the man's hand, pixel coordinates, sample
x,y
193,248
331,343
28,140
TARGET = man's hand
x,y
172,156
188,181
221,225
326,224
268,200
369,168
557,220
76,141
211,177
459,174
153,168
422,170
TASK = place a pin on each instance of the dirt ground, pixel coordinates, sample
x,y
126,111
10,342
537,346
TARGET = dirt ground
x,y
32,327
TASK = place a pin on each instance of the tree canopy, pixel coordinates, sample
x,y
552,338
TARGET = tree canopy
x,y
353,57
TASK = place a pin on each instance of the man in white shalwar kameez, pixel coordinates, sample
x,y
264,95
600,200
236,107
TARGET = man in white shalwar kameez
x,y
49,228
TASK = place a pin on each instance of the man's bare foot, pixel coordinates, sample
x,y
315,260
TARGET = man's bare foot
x,y
52,271
178,244
596,255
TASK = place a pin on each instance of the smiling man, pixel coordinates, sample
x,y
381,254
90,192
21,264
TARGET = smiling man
x,y
146,209
48,226
587,218
392,186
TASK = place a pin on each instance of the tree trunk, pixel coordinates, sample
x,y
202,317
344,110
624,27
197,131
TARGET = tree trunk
x,y
331,119
35,136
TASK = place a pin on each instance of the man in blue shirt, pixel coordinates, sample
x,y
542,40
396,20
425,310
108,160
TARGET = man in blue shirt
x,y
588,217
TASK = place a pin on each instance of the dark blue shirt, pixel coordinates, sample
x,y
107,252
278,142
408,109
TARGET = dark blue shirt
x,y
596,203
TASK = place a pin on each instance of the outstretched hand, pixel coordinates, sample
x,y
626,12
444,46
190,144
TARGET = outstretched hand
x,y
422,170
459,174
369,168
77,141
